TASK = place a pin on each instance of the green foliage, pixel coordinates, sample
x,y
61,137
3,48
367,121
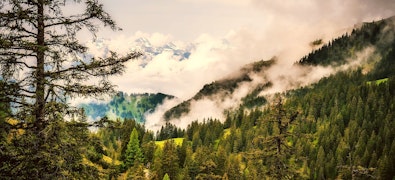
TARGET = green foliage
x,y
339,50
169,163
335,132
133,152
177,141
384,67
253,99
60,155
166,177
48,138
342,130
345,118
378,82
124,106
169,131
136,172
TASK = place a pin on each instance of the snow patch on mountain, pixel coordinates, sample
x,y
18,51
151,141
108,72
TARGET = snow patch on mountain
x,y
149,49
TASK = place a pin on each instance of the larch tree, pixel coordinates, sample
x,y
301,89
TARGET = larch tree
x,y
42,66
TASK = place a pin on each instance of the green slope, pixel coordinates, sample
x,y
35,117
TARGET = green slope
x,y
177,141
125,106
378,36
343,130
377,82
344,125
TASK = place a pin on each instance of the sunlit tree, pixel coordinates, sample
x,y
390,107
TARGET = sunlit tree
x,y
133,151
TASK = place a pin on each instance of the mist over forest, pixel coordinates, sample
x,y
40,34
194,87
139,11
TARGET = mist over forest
x,y
193,90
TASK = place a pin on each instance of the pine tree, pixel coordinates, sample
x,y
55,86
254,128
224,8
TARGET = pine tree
x,y
42,68
40,41
133,152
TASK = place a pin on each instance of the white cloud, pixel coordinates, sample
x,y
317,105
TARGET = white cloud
x,y
165,72
155,120
228,34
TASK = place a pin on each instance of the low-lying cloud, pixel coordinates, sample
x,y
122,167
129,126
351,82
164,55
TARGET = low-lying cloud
x,y
281,77
281,28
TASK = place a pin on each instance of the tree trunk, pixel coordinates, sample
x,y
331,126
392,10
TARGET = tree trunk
x,y
40,76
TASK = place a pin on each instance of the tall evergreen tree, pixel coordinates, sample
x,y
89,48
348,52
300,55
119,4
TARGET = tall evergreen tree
x,y
40,55
133,151
276,151
41,66
170,160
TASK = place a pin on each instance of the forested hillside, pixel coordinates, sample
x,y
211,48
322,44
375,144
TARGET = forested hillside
x,y
219,90
340,127
124,106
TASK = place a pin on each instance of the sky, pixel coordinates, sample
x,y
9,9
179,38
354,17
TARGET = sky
x,y
226,35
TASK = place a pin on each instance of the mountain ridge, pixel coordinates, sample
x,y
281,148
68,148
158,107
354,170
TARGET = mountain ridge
x,y
334,54
218,90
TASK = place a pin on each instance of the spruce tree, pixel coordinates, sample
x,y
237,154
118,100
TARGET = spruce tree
x,y
133,152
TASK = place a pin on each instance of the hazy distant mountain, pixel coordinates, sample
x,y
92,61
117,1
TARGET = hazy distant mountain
x,y
148,49
134,106
222,89
125,106
146,46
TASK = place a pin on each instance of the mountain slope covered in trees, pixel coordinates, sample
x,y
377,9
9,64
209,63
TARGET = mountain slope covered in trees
x,y
124,106
338,128
219,90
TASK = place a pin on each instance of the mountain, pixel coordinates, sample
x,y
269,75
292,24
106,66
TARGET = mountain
x,y
339,127
376,41
134,106
378,35
219,91
365,47
124,106
144,45
148,49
